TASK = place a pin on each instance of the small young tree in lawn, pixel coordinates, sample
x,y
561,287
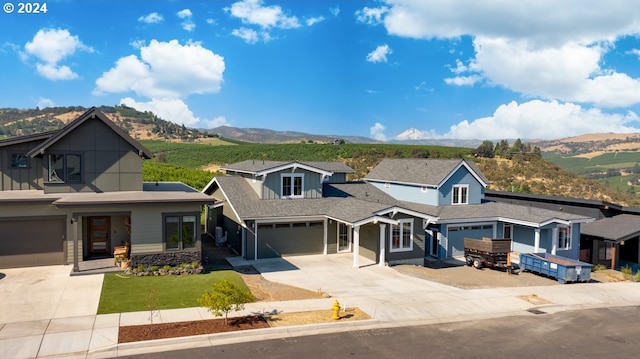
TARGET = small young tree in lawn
x,y
224,298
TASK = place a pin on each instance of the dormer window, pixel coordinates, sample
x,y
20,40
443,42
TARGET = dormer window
x,y
292,185
64,168
460,194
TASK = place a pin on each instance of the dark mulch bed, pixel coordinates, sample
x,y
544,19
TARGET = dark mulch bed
x,y
136,333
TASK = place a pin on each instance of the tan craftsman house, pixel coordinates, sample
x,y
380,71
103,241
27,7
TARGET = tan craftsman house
x,y
73,195
405,211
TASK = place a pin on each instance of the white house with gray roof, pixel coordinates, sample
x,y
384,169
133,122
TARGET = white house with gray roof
x,y
404,211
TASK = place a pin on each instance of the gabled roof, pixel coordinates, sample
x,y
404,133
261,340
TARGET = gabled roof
x,y
27,138
421,171
617,228
89,114
248,206
260,167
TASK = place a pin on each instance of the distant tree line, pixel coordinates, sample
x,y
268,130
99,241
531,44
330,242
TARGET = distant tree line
x,y
502,149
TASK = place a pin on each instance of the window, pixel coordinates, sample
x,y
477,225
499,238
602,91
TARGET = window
x,y
180,231
507,233
564,238
460,194
19,160
402,236
64,168
292,185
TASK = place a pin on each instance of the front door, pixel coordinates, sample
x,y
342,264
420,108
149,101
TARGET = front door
x,y
98,235
433,248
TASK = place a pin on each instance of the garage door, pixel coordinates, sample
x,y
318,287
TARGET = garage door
x,y
290,239
31,242
457,234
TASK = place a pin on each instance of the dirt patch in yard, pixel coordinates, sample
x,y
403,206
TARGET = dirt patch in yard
x,y
466,277
264,290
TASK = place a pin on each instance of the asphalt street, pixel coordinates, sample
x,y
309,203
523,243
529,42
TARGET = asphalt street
x,y
592,333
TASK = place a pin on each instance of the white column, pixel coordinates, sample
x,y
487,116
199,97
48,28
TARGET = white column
x,y
356,247
324,236
554,240
74,239
536,241
383,245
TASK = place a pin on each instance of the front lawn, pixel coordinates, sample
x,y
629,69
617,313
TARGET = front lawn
x,y
121,293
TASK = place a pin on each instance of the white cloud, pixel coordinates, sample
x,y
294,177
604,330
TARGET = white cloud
x,y
165,70
53,72
463,80
371,16
216,122
252,12
314,20
45,102
174,110
538,119
250,36
553,55
377,132
152,18
211,21
51,46
184,14
379,54
335,11
187,23
137,43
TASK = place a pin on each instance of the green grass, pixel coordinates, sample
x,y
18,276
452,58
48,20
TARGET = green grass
x,y
122,293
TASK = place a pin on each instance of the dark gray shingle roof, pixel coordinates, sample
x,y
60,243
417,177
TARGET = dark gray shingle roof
x,y
616,228
420,171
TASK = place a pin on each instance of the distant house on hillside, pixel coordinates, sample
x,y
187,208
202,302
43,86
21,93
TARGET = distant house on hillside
x,y
405,211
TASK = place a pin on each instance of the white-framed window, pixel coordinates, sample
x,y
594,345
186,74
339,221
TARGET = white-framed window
x,y
460,194
564,238
292,185
402,235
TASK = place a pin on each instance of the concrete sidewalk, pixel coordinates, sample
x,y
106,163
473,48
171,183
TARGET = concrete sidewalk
x,y
390,298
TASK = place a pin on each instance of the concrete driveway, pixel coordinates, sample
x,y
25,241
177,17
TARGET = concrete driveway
x,y
44,293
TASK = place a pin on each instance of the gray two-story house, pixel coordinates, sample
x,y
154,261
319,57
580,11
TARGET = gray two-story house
x,y
74,194
405,211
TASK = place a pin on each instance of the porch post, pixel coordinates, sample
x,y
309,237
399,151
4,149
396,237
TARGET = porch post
x,y
356,247
383,245
554,240
324,236
536,241
614,255
74,239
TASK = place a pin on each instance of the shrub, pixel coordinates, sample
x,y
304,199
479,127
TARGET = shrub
x,y
224,298
599,267
627,272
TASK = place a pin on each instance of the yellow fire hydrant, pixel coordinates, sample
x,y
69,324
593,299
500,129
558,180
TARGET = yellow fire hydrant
x,y
336,310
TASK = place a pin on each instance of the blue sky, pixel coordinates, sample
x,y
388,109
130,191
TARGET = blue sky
x,y
390,69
